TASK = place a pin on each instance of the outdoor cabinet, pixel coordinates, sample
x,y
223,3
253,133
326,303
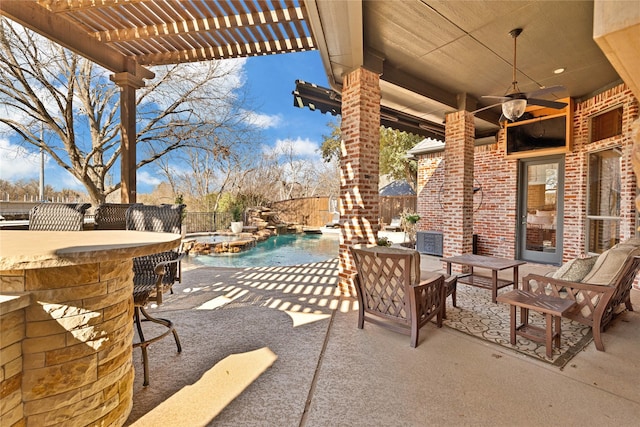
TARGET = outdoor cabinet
x,y
430,242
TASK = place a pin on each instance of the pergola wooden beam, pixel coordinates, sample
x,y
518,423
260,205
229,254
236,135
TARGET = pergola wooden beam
x,y
31,15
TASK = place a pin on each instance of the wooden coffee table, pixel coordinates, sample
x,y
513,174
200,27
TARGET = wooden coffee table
x,y
494,264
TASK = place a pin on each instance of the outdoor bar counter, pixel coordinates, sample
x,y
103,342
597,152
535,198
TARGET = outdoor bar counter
x,y
66,324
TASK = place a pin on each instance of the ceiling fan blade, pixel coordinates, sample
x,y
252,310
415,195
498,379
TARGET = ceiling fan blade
x,y
546,91
545,103
486,108
498,98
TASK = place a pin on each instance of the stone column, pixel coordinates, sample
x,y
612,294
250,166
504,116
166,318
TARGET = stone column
x,y
457,224
359,167
128,83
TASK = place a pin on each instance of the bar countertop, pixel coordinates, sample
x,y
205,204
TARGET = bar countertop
x,y
22,250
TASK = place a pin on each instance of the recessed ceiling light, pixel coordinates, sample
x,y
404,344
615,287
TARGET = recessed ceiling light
x,y
558,71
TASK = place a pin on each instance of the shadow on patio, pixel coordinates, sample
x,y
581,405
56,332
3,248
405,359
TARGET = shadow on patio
x,y
278,346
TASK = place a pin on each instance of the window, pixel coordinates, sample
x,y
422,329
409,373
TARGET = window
x,y
606,125
603,203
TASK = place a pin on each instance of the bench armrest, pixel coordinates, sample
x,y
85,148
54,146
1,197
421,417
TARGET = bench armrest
x,y
591,300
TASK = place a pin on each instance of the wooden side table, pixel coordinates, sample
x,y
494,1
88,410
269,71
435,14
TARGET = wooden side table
x,y
553,309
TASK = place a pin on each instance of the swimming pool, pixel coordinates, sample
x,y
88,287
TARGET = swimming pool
x,y
286,249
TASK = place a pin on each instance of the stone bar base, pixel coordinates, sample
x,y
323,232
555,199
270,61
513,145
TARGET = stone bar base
x,y
66,352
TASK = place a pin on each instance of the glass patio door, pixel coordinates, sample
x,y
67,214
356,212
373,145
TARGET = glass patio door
x,y
541,189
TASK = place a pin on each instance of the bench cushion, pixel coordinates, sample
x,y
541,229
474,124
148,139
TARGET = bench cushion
x,y
609,264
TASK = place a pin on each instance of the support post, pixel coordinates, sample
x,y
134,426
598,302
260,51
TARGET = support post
x,y
128,84
458,180
359,168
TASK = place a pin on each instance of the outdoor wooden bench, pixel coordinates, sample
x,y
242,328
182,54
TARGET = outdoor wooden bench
x,y
600,293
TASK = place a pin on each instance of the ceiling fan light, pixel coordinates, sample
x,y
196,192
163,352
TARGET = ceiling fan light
x,y
514,108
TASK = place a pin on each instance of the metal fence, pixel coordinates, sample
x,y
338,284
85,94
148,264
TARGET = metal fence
x,y
198,222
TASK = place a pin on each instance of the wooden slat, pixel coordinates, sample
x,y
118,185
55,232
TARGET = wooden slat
x,y
256,29
212,52
161,31
59,6
222,21
300,16
63,32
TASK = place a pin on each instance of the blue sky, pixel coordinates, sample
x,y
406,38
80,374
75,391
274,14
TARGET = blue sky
x,y
271,80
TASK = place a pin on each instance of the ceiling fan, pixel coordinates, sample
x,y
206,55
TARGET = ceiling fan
x,y
514,102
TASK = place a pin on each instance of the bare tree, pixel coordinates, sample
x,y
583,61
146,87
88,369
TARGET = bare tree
x,y
43,84
29,190
285,172
213,166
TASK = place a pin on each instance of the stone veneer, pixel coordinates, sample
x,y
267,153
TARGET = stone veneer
x,y
76,347
359,167
12,331
66,324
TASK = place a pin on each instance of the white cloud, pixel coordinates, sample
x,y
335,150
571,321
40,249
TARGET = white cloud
x,y
66,180
263,121
303,148
144,177
17,163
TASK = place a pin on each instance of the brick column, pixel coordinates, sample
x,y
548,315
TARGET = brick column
x,y
458,181
359,167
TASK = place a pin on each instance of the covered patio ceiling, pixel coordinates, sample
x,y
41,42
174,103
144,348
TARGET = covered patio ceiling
x,y
437,57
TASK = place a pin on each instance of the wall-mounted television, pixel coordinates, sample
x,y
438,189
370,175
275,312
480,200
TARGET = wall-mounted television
x,y
540,133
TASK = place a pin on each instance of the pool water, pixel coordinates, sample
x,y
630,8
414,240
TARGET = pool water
x,y
286,249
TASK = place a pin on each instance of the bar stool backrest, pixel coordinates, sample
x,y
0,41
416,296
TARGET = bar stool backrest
x,y
58,216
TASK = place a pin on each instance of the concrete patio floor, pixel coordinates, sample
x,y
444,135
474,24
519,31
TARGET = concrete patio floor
x,y
280,347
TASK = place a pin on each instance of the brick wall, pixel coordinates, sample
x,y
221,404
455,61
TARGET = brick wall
x,y
576,166
495,219
359,167
495,216
430,188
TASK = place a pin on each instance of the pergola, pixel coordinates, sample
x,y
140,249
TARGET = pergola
x,y
126,36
